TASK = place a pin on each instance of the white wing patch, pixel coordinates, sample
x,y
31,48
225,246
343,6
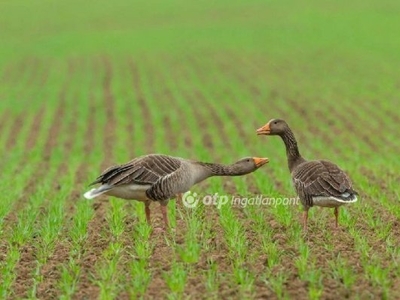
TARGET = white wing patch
x,y
332,201
93,193
124,191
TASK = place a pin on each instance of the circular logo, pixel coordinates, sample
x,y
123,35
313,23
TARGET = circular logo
x,y
190,200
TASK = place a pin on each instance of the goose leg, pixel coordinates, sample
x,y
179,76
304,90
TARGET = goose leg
x,y
305,218
179,197
147,210
165,215
336,212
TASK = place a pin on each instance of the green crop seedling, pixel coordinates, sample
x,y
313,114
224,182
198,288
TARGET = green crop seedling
x,y
85,86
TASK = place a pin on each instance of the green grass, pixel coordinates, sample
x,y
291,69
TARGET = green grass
x,y
85,86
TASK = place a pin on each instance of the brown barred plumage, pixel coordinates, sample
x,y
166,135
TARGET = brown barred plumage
x,y
317,182
161,177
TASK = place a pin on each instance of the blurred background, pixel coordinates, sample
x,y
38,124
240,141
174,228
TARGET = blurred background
x,y
310,59
336,31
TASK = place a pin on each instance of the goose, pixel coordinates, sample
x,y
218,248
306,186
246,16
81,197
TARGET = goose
x,y
158,177
317,182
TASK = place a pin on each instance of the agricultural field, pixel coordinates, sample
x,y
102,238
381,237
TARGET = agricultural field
x,y
86,86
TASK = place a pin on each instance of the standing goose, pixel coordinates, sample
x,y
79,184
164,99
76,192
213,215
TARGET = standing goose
x,y
160,177
317,182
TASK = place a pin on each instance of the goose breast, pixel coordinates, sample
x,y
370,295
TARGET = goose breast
x,y
179,181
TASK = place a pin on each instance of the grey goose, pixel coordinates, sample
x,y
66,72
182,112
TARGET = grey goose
x,y
158,177
317,182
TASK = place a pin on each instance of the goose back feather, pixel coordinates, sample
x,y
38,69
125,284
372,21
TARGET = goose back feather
x,y
322,183
141,170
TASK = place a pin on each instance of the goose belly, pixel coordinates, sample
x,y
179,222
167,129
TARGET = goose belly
x,y
328,201
130,192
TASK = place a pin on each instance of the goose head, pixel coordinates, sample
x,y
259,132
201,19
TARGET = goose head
x,y
273,127
249,164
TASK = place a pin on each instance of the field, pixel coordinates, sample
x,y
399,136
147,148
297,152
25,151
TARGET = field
x,y
83,87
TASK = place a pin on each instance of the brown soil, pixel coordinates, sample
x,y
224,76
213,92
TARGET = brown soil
x,y
51,271
98,232
93,248
4,119
25,267
162,258
316,240
210,110
11,219
33,71
7,72
16,127
35,129
375,112
50,143
142,103
295,287
18,70
168,101
129,110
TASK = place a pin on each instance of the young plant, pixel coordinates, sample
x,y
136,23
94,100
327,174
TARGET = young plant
x,y
277,284
342,272
176,279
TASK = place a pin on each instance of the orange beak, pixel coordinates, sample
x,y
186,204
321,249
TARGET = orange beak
x,y
260,161
265,130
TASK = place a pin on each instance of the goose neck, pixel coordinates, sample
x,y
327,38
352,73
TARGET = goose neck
x,y
292,150
215,169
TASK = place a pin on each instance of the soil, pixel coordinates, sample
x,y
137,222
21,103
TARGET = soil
x,y
16,127
141,101
4,119
25,267
35,129
99,235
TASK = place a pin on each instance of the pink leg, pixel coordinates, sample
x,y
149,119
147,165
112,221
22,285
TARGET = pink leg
x,y
147,210
165,215
179,197
336,217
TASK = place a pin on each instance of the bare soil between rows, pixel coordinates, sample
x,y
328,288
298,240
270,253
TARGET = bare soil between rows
x,y
99,236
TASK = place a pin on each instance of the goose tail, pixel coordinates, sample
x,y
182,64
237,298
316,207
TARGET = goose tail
x,y
93,193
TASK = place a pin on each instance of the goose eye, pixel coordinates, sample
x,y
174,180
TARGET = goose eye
x,y
276,122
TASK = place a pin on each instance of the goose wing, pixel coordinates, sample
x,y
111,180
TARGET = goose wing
x,y
320,178
142,170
